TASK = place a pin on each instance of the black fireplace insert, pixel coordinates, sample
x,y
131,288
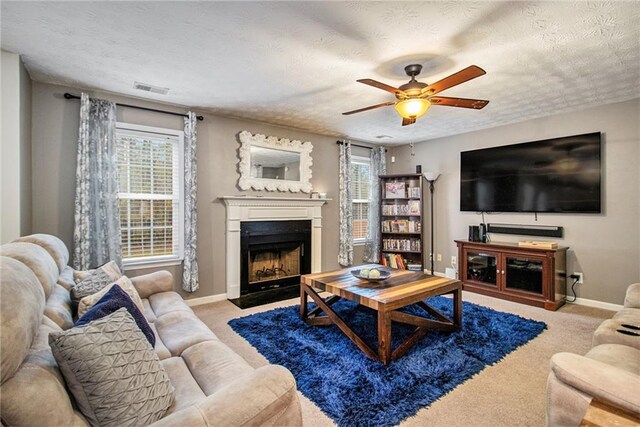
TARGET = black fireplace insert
x,y
273,256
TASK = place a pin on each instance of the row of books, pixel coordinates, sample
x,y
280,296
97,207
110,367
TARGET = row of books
x,y
398,262
401,226
398,190
394,261
412,245
410,208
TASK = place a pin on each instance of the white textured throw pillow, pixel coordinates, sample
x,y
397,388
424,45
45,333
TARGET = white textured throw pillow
x,y
110,268
89,301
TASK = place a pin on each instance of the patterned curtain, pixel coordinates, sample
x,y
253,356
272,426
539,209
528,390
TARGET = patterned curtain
x,y
190,266
378,166
345,252
96,234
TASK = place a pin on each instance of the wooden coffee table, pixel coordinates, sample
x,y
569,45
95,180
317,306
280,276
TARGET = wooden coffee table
x,y
402,289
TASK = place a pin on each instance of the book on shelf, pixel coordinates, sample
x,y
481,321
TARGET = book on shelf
x,y
394,190
414,207
407,245
394,261
414,267
395,209
413,192
401,226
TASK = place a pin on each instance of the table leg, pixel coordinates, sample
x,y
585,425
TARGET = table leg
x,y
303,301
384,337
457,308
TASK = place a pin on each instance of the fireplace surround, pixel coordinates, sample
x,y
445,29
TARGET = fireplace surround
x,y
241,210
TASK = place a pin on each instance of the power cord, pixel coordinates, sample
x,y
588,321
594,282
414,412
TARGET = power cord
x,y
575,278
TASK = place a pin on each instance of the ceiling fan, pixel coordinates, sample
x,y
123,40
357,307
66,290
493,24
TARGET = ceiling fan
x,y
415,98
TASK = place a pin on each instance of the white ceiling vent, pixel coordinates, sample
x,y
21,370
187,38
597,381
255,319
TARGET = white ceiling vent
x,y
149,88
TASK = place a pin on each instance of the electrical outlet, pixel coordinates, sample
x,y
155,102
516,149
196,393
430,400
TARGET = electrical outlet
x,y
454,260
439,257
580,278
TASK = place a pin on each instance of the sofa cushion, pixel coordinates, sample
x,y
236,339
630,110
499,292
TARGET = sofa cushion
x,y
187,390
607,333
113,372
161,350
114,299
148,311
21,306
58,307
66,278
37,392
620,356
214,365
628,315
51,244
180,330
632,297
37,259
125,285
167,302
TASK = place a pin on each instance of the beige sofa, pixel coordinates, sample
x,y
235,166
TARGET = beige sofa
x,y
609,373
213,385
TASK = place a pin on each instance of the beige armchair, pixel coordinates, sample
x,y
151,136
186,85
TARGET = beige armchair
x,y
609,373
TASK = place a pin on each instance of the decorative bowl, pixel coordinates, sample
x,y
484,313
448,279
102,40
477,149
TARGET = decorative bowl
x,y
384,274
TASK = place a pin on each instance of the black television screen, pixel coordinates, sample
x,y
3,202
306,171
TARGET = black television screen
x,y
554,175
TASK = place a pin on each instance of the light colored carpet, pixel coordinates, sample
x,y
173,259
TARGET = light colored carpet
x,y
509,393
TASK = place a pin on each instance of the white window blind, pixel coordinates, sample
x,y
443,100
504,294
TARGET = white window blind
x,y
150,180
360,197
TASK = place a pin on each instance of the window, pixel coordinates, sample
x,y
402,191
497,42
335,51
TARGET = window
x,y
150,181
360,197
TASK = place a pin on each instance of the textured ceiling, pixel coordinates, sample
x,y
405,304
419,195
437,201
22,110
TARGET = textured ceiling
x,y
295,63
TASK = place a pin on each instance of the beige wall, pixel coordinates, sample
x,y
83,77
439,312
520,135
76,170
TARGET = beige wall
x,y
15,175
55,133
605,247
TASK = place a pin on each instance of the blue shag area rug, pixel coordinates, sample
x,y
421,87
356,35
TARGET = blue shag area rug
x,y
356,391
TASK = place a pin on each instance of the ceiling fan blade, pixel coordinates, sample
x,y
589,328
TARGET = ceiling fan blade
x,y
379,85
476,104
406,122
461,76
371,107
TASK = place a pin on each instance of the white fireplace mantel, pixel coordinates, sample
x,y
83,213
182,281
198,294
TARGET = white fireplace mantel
x,y
269,208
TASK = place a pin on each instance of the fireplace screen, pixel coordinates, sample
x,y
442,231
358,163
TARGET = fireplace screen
x,y
273,264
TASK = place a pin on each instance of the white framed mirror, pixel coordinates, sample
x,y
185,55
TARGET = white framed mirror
x,y
274,164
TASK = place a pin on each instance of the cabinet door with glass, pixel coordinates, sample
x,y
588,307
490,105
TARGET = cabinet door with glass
x,y
481,267
524,273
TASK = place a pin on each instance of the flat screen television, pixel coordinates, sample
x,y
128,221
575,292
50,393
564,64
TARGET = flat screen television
x,y
553,175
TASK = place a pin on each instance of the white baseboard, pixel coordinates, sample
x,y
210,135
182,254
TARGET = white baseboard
x,y
597,304
205,300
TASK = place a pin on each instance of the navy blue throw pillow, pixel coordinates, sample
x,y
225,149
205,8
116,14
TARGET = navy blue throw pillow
x,y
113,300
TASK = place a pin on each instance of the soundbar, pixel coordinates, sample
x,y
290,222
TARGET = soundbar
x,y
526,230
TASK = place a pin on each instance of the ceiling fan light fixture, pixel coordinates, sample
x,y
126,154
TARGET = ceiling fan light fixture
x,y
412,108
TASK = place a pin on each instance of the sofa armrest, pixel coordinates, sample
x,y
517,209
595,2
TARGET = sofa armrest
x,y
152,283
267,396
603,382
632,298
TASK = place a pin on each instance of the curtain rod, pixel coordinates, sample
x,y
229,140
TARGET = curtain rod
x,y
69,96
357,145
